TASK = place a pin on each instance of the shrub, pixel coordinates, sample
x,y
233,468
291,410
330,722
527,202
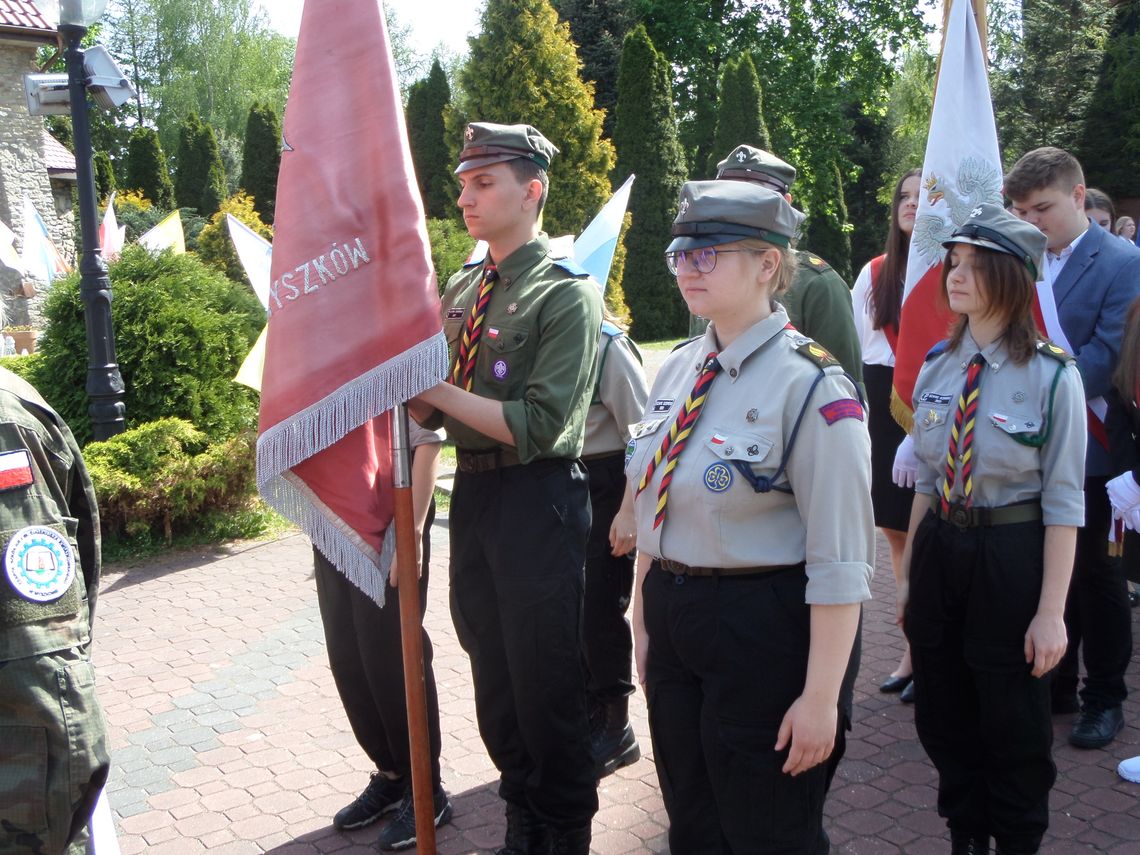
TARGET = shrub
x,y
163,475
450,247
136,212
216,248
181,332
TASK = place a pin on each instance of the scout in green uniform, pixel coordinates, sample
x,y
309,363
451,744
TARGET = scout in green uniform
x,y
523,327
53,747
818,301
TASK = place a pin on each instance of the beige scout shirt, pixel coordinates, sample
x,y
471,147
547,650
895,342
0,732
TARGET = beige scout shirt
x,y
1013,401
619,397
714,517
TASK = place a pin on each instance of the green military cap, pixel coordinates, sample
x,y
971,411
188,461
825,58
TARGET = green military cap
x,y
747,163
485,143
993,227
715,212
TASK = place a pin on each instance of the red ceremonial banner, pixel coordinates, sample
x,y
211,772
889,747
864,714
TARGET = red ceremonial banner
x,y
354,326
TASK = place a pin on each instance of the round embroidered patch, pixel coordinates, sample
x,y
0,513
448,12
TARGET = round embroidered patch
x,y
500,369
718,478
40,563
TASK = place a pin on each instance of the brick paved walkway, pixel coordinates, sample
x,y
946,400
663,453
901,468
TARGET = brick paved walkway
x,y
228,736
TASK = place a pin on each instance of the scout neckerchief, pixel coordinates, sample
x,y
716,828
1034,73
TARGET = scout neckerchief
x,y
463,373
674,442
962,436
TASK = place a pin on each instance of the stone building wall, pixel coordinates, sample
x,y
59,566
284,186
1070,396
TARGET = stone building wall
x,y
22,171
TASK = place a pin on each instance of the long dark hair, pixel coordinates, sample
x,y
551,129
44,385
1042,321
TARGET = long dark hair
x,y
1008,289
1127,377
886,296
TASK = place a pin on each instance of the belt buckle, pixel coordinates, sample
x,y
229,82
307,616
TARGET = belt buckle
x,y
959,516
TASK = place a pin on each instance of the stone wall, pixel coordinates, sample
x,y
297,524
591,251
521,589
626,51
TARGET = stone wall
x,y
22,172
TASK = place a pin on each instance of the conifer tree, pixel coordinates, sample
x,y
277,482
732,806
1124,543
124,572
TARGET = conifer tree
x,y
598,28
200,178
427,136
146,169
645,135
740,111
261,159
826,232
523,69
104,174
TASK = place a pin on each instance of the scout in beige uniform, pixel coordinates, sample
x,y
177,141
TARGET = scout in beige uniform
x,y
999,431
752,473
524,332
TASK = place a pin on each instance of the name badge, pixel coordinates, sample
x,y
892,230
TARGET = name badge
x,y
663,405
933,398
454,313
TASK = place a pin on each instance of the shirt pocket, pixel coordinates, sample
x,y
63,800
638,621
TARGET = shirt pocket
x,y
1012,435
452,330
736,453
506,357
932,434
645,438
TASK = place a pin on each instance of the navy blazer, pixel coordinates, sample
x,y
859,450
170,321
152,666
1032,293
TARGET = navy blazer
x,y
1093,292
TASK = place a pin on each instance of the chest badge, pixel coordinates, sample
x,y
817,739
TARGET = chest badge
x,y
718,478
40,564
752,415
932,417
500,369
1018,397
454,313
512,308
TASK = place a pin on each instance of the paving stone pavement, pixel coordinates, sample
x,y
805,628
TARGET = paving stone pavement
x,y
228,736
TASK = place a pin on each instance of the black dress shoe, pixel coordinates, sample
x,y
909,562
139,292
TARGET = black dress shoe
x,y
907,694
894,685
1096,728
970,846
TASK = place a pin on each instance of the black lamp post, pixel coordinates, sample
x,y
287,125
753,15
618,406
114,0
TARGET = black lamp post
x,y
104,382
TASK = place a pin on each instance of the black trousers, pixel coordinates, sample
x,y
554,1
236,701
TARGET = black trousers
x,y
518,549
727,657
983,719
607,641
365,656
1097,614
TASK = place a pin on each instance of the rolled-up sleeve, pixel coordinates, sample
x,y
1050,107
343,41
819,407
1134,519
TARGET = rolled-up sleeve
x,y
830,473
1063,457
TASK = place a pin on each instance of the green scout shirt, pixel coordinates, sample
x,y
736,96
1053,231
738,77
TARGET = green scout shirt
x,y
537,351
60,497
819,306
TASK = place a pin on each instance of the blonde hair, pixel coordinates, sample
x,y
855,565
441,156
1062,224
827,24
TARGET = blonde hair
x,y
787,269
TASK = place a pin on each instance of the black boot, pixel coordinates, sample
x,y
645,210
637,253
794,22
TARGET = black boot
x,y
611,739
526,833
570,841
969,844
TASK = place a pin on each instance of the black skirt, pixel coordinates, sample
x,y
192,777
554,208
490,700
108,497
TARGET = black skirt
x,y
891,503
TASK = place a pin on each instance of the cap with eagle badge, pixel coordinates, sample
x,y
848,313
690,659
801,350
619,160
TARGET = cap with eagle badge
x,y
711,213
747,163
485,143
992,227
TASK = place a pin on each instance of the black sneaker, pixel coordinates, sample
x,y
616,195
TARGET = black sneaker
x,y
400,832
379,797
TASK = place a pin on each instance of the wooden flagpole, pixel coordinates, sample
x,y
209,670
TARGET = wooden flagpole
x,y
411,633
979,7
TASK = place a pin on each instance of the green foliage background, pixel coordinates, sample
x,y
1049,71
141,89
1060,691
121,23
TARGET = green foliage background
x,y
261,159
147,171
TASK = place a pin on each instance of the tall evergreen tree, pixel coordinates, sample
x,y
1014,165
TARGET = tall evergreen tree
x,y
146,169
1109,149
523,68
868,216
598,28
827,231
646,139
200,178
261,159
104,174
740,111
427,136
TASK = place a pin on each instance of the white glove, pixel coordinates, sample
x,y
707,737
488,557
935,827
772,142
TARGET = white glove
x,y
905,471
1124,493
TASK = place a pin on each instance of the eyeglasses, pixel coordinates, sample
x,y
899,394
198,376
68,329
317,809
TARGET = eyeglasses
x,y
702,260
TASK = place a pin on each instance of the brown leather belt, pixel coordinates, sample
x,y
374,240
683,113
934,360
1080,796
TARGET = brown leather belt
x,y
975,517
603,455
679,569
472,462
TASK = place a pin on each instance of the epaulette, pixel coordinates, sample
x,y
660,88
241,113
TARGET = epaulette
x,y
611,329
681,344
476,260
1047,348
811,261
937,350
816,353
570,266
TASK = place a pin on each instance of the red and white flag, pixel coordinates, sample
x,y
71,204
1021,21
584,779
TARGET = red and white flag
x,y
354,326
961,169
112,236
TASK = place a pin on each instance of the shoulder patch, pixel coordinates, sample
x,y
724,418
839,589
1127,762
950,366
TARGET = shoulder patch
x,y
843,408
1047,348
681,344
570,266
816,353
816,262
937,350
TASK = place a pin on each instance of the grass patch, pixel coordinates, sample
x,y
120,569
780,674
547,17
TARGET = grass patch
x,y
256,521
664,345
447,456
